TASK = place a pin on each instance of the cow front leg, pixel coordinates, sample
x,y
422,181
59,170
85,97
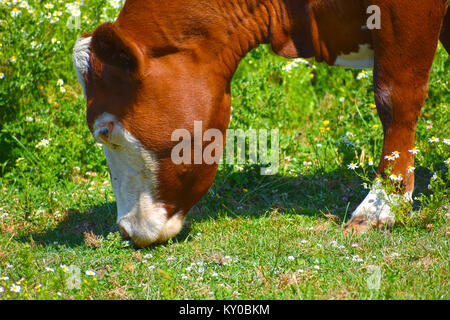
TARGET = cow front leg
x,y
396,164
404,53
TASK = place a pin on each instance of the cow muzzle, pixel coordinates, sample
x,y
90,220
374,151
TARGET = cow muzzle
x,y
156,228
133,170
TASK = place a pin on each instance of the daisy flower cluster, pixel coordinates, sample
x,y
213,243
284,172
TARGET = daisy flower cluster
x,y
32,15
362,75
19,7
435,141
43,143
296,63
395,177
394,155
60,84
74,8
10,288
59,9
116,3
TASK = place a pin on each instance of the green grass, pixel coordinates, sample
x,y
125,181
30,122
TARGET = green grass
x,y
252,236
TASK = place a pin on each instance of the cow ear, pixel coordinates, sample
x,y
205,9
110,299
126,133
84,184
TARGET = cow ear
x,y
112,47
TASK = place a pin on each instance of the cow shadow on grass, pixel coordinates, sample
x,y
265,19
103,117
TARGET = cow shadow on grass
x,y
242,194
79,227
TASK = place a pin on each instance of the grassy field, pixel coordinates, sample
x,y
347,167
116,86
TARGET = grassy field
x,y
252,236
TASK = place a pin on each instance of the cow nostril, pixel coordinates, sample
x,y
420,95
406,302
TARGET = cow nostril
x,y
104,131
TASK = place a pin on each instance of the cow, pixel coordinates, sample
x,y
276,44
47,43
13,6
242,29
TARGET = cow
x,y
162,65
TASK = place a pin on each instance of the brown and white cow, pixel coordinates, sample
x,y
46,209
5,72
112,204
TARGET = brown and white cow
x,y
164,64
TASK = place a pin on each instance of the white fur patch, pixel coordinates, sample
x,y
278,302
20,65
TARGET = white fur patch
x,y
362,59
172,227
81,53
133,171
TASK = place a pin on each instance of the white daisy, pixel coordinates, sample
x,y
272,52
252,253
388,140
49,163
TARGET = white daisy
x,y
395,154
15,12
352,166
433,139
15,288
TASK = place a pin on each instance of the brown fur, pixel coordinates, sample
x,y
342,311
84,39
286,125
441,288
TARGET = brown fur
x,y
164,64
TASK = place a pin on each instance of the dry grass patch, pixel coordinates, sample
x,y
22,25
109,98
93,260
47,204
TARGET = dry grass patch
x,y
92,240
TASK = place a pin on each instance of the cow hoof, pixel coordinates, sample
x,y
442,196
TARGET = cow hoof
x,y
357,225
375,211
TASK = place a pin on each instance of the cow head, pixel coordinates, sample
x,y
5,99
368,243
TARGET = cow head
x,y
137,95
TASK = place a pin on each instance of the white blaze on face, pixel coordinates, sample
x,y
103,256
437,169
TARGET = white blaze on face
x,y
133,171
133,168
362,59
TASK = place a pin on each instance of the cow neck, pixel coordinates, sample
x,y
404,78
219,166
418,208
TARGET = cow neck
x,y
249,23
301,28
